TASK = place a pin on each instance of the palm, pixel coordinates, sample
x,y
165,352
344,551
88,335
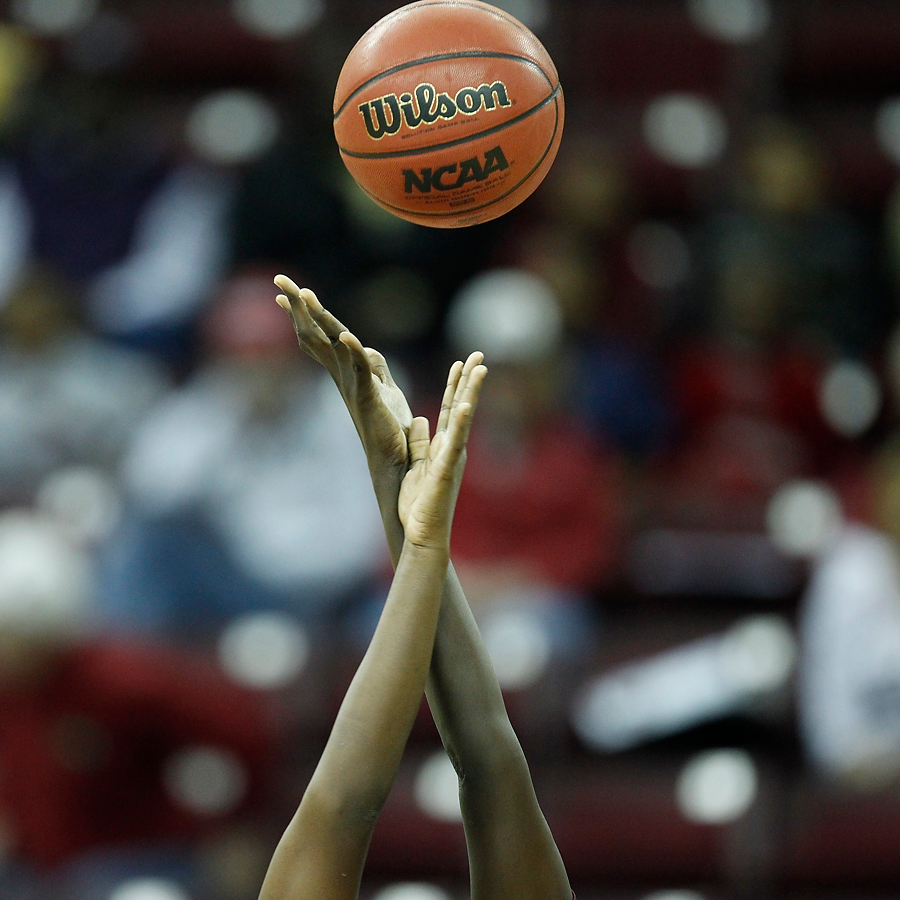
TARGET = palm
x,y
417,505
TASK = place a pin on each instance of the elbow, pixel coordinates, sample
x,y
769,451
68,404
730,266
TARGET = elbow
x,y
494,760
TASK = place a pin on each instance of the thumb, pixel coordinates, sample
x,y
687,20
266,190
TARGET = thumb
x,y
418,439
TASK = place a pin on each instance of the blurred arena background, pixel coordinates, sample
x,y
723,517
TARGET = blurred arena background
x,y
680,520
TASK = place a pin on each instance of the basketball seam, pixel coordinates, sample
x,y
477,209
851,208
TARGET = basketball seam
x,y
453,214
419,151
441,57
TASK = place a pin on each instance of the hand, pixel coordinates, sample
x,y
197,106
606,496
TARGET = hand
x,y
377,406
429,490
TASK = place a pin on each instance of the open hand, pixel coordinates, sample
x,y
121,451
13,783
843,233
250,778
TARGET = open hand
x,y
429,490
377,406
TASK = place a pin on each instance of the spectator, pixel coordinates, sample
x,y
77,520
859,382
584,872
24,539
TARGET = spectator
x,y
231,477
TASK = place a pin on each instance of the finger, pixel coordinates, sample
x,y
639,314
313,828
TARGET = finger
x,y
379,367
287,284
418,440
308,333
474,359
282,282
292,300
355,348
327,336
464,410
471,391
330,325
360,360
447,455
449,392
313,322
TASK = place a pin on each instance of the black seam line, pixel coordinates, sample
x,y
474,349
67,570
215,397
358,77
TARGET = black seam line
x,y
418,151
471,209
442,57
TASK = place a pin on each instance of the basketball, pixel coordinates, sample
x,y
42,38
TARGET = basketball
x,y
448,113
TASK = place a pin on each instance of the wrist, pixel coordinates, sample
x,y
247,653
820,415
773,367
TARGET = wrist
x,y
387,476
386,480
438,550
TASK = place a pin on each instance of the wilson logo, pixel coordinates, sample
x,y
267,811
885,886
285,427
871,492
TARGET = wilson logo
x,y
455,175
425,105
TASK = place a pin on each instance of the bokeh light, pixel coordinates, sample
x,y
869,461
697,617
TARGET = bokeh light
x,y
717,786
511,315
674,894
697,681
47,581
265,650
850,397
437,788
686,130
411,890
232,127
82,499
887,128
519,647
758,654
149,889
207,781
278,19
804,517
733,21
53,17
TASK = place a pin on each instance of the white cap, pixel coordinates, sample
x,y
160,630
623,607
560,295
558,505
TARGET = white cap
x,y
510,314
46,580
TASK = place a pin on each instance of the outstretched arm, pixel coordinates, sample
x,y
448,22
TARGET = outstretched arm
x,y
511,850
322,852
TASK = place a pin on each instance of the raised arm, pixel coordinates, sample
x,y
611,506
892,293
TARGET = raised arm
x,y
511,849
322,852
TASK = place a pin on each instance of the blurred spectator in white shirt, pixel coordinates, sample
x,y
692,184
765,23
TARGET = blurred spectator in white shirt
x,y
246,487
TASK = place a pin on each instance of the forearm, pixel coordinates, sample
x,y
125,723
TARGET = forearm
x,y
462,691
463,694
366,744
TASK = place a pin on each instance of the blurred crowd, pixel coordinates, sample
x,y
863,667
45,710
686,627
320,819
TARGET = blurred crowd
x,y
680,521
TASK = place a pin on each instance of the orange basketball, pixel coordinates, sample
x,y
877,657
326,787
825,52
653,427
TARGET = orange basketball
x,y
448,112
